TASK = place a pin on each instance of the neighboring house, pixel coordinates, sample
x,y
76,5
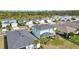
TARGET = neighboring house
x,y
30,23
56,17
68,27
65,18
43,29
14,26
19,39
12,21
6,22
35,21
4,30
49,21
21,22
41,21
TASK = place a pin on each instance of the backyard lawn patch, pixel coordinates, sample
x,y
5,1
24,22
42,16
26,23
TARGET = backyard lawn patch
x,y
75,39
59,43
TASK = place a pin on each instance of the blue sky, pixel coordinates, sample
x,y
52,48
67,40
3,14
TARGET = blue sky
x,y
39,4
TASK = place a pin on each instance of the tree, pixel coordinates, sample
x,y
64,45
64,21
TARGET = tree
x,y
44,40
36,42
8,27
0,24
70,34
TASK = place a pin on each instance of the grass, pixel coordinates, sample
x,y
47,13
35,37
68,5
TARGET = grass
x,y
60,43
56,42
75,39
1,42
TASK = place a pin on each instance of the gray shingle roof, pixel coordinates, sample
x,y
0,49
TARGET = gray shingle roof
x,y
43,26
19,39
68,26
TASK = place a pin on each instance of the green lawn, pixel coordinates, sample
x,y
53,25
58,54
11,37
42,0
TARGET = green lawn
x,y
59,43
75,39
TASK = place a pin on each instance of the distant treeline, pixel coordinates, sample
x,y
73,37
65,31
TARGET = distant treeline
x,y
35,14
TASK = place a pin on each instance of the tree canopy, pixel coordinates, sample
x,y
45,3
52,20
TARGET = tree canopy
x,y
35,14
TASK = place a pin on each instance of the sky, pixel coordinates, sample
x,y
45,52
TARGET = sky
x,y
39,5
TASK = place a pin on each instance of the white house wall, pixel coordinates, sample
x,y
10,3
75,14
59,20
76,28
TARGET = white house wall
x,y
47,30
41,22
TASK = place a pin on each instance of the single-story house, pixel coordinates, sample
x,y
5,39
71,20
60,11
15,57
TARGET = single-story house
x,y
56,17
30,23
41,21
4,30
43,30
49,20
65,18
68,27
6,22
21,21
12,21
14,26
19,39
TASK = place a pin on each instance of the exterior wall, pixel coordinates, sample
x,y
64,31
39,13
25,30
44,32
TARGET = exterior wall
x,y
41,22
30,23
36,32
14,24
47,30
49,21
4,25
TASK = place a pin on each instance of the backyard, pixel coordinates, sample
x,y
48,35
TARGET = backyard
x,y
59,43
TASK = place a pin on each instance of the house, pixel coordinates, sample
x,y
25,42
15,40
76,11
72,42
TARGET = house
x,y
65,18
14,26
21,22
56,17
4,30
19,39
12,21
41,21
30,23
7,21
48,20
36,21
43,30
68,27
